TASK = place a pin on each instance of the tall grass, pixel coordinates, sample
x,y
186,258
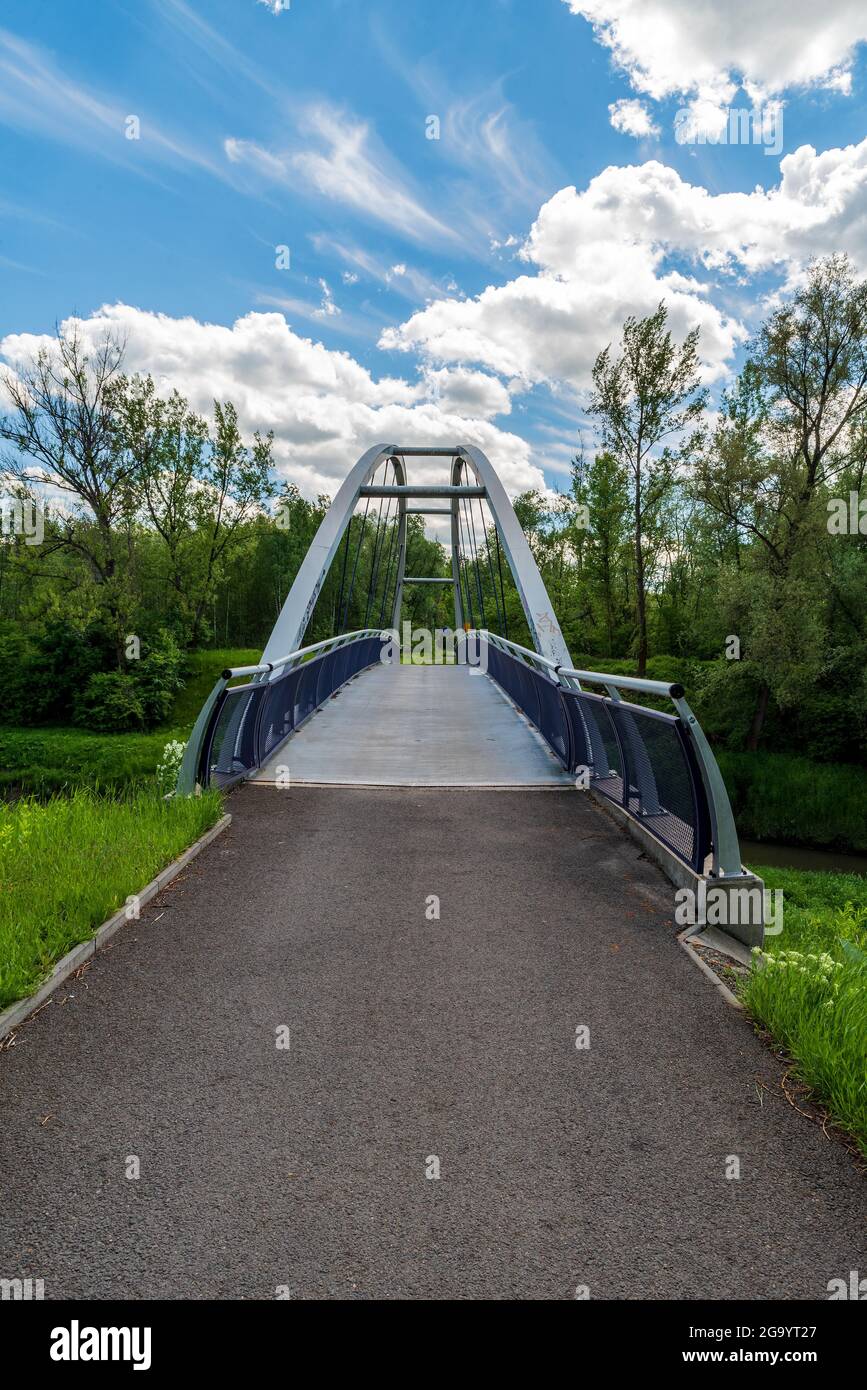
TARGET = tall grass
x,y
69,863
776,796
809,987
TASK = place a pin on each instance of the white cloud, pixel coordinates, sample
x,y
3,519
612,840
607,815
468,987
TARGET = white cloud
x,y
325,408
632,118
465,392
603,253
327,307
348,167
670,47
276,6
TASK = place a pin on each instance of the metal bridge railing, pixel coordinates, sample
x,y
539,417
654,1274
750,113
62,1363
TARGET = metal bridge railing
x,y
658,767
241,726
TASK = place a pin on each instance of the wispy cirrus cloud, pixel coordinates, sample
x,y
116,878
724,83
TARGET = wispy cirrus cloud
x,y
36,95
411,284
343,162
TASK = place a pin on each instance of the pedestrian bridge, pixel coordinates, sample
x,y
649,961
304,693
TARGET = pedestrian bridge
x,y
354,710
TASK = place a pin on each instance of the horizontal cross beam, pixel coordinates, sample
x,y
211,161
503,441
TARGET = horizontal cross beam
x,y
443,451
432,490
436,579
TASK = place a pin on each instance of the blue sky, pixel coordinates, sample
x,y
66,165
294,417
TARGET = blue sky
x,y
435,287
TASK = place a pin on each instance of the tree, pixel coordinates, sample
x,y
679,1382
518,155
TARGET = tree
x,y
63,435
790,429
607,498
197,485
647,395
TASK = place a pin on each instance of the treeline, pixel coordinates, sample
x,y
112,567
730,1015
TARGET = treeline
x,y
688,544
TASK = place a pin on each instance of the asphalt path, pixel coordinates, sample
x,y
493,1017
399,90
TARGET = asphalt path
x,y
428,954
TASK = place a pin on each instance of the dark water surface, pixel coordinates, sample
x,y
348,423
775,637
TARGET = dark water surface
x,y
828,861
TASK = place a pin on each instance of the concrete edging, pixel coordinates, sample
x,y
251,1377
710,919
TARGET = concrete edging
x,y
727,994
68,964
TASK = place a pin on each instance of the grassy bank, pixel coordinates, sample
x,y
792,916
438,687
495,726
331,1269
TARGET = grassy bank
x,y
43,761
776,796
69,863
48,760
809,988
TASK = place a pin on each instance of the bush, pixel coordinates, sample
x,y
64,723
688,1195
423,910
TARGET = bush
x,y
158,679
809,986
110,704
776,796
16,683
65,658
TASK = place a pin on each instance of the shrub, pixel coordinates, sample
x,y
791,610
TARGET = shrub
x,y
16,683
109,704
158,679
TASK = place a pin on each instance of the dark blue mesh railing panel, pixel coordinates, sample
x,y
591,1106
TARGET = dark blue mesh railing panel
x,y
253,720
278,714
600,742
231,749
551,723
536,694
642,760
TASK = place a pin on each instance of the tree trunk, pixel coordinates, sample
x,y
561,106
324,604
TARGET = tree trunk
x,y
640,605
759,713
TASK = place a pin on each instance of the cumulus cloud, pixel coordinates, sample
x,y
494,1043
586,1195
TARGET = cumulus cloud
x,y
672,46
607,251
325,408
632,118
703,50
466,392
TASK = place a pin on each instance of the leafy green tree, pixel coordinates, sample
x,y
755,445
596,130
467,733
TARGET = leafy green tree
x,y
787,435
647,395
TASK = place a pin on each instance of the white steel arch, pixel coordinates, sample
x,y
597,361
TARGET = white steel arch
x,y
288,632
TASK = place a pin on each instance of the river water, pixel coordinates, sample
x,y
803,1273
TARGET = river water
x,y
799,857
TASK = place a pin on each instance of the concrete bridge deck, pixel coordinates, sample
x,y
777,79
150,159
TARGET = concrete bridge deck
x,y
411,1038
418,726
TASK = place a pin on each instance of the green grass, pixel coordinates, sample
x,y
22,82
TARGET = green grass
x,y
69,863
777,796
809,989
47,760
203,670
51,760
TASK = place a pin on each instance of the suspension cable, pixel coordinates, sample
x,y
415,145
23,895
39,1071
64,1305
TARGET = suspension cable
x,y
378,545
395,529
462,566
476,563
500,569
355,565
490,565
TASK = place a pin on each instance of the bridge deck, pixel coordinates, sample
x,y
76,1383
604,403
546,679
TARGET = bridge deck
x,y
418,726
411,1038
